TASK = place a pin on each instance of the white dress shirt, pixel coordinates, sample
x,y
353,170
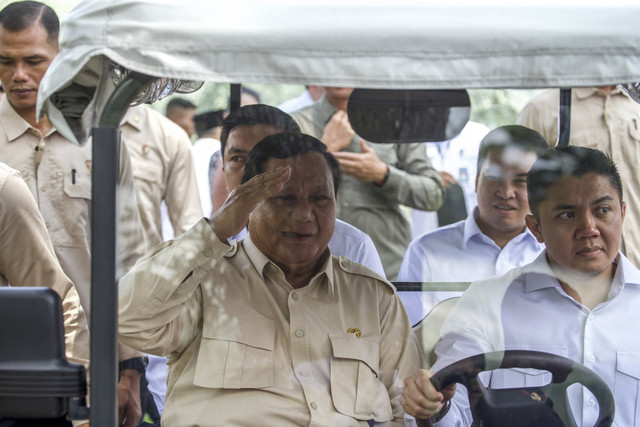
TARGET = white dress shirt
x,y
202,151
527,309
458,252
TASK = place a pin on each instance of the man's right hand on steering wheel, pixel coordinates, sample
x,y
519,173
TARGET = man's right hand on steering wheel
x,y
420,398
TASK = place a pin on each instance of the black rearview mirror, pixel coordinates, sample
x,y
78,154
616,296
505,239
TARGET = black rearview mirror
x,y
403,116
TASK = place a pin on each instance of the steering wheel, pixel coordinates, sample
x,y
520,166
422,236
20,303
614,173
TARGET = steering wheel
x,y
526,406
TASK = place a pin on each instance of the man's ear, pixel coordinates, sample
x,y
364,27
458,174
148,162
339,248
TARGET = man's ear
x,y
534,227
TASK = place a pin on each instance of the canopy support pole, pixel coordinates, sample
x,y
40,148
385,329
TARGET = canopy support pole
x,y
235,96
104,292
564,118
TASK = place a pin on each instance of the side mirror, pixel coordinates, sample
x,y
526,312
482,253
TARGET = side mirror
x,y
403,116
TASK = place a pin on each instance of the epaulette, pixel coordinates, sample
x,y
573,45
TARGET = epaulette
x,y
355,268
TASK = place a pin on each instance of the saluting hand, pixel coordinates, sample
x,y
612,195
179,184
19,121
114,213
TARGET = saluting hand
x,y
233,215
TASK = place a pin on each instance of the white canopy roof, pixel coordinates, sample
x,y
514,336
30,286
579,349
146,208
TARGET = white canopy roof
x,y
377,44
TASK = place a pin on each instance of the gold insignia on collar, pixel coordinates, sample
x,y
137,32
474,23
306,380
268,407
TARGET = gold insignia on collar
x,y
354,331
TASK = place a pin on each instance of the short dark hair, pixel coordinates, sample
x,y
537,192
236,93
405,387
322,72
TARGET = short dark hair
x,y
283,146
178,104
257,114
560,162
515,136
19,16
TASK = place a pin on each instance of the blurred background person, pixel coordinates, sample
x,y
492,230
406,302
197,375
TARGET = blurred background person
x,y
181,111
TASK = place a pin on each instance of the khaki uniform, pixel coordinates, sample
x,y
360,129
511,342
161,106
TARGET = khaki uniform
x,y
58,174
610,123
162,170
27,259
246,348
377,211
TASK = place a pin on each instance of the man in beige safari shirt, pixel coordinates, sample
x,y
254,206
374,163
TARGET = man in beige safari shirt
x,y
272,329
27,259
162,171
57,171
607,119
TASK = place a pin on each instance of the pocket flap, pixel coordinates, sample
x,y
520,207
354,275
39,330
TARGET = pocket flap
x,y
348,346
254,330
77,185
628,362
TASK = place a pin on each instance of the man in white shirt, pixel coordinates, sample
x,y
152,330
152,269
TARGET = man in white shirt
x,y
206,145
494,238
579,299
456,161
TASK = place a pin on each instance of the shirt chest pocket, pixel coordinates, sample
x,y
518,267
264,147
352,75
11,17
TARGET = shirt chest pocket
x,y
236,352
149,164
77,204
356,388
523,377
627,388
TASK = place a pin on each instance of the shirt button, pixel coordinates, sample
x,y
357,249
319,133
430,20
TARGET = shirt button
x,y
592,402
47,223
304,373
44,188
208,252
294,296
591,358
313,405
299,333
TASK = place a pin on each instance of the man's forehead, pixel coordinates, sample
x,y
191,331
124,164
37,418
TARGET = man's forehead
x,y
248,136
574,189
35,37
311,165
510,158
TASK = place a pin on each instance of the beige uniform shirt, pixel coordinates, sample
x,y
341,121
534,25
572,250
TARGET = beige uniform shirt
x,y
61,186
27,259
163,169
610,123
245,348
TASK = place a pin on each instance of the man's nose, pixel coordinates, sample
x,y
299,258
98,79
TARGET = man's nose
x,y
20,72
303,211
587,226
506,189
